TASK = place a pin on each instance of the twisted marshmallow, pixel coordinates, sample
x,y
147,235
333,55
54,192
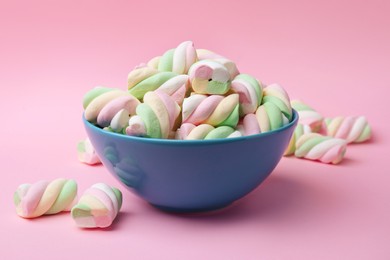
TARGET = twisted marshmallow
x,y
231,67
178,60
325,149
44,198
298,132
214,110
98,206
307,115
250,92
270,117
176,87
275,94
144,79
353,129
209,77
189,131
86,152
109,107
155,117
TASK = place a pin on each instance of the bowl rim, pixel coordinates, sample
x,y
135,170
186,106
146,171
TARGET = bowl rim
x,y
88,124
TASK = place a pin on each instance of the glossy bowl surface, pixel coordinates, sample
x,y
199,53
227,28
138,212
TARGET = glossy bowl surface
x,y
191,176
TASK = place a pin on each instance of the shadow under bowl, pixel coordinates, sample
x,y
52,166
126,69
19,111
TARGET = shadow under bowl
x,y
191,175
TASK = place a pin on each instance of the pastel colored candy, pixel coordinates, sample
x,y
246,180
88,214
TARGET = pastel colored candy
x,y
44,197
307,115
93,93
250,91
275,94
326,149
97,207
138,74
155,117
178,60
249,125
153,63
209,77
353,129
298,132
148,81
190,131
116,113
204,54
176,87
102,106
86,153
215,110
231,67
270,117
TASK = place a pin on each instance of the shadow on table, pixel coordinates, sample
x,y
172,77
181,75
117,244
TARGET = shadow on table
x,y
278,198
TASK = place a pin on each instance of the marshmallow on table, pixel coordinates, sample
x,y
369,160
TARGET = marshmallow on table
x,y
326,149
97,207
215,110
298,132
45,198
86,152
353,129
307,115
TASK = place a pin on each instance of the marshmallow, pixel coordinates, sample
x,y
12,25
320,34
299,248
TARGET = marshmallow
x,y
189,131
98,206
275,94
209,77
231,67
109,108
44,197
325,149
270,117
144,79
86,153
307,115
353,129
176,87
214,110
178,60
155,117
250,92
298,132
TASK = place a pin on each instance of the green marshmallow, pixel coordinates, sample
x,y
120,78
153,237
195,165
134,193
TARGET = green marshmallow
x,y
220,132
93,93
166,61
150,84
150,119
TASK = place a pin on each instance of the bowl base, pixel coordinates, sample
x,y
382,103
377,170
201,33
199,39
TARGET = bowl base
x,y
190,210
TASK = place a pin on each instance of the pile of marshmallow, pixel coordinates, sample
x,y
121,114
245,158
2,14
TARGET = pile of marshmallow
x,y
189,94
96,208
193,94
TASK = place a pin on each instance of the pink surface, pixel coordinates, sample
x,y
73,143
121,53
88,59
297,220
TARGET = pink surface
x,y
333,55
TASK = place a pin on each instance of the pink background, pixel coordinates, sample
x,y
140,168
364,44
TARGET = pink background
x,y
334,55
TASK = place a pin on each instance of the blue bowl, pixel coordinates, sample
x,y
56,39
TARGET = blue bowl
x,y
191,176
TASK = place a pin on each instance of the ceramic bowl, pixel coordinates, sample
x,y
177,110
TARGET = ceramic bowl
x,y
191,176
